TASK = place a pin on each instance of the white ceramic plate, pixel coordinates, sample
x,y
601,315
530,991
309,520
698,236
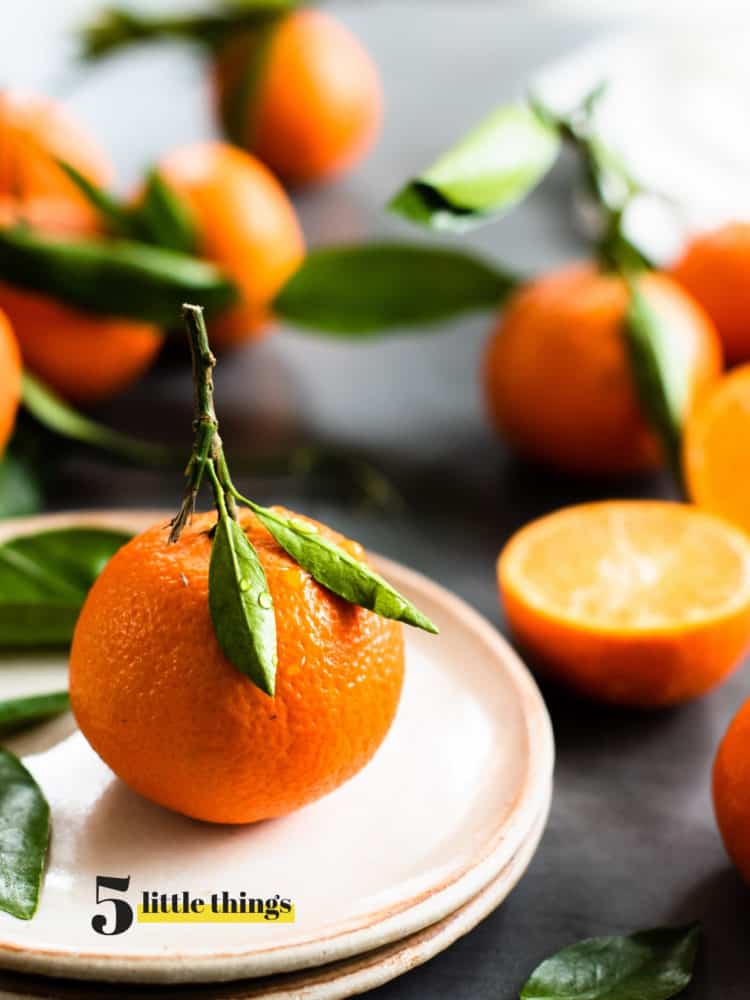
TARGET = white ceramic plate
x,y
446,803
330,982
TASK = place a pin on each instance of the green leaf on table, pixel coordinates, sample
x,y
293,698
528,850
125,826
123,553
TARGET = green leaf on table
x,y
649,965
485,174
163,218
20,489
660,361
24,837
44,579
20,713
370,287
58,416
112,277
241,606
336,569
112,212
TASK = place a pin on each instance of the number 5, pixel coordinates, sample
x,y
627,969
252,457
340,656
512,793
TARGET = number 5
x,y
123,909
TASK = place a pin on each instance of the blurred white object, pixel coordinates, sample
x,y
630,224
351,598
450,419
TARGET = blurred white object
x,y
678,110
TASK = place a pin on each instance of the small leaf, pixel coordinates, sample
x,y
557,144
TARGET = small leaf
x,y
649,965
112,277
241,606
20,489
163,218
660,363
368,288
20,713
340,572
44,579
24,836
485,174
59,417
111,212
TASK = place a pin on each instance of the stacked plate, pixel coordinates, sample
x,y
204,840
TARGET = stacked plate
x,y
384,873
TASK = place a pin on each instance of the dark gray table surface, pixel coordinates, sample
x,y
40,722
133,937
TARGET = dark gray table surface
x,y
631,841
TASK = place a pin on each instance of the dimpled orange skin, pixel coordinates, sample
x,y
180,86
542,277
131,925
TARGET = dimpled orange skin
x,y
715,269
557,376
34,130
731,790
318,104
246,225
10,381
164,708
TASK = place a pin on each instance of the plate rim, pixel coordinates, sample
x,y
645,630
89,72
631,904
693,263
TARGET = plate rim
x,y
374,930
338,980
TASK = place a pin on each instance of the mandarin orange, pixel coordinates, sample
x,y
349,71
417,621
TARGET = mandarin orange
x,y
83,356
731,790
557,377
246,225
642,603
715,269
10,381
160,703
34,132
314,102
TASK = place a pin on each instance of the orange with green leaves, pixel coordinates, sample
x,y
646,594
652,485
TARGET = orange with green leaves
x,y
236,665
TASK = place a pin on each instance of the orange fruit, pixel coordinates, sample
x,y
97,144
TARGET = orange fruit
x,y
316,105
163,707
715,269
34,130
10,381
557,376
716,449
246,225
642,603
84,357
731,790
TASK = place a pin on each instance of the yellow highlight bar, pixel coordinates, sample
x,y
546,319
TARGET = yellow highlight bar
x,y
207,916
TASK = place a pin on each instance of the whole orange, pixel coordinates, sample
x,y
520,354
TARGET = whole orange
x,y
715,269
731,789
314,107
10,381
246,225
34,131
557,375
84,357
163,707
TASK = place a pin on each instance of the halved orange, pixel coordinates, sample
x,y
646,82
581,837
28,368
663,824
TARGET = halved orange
x,y
716,449
643,603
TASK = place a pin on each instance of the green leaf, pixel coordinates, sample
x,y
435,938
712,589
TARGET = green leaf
x,y
112,277
56,415
24,836
364,289
20,713
115,28
485,174
44,579
20,489
660,364
241,606
111,212
163,218
340,572
649,965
